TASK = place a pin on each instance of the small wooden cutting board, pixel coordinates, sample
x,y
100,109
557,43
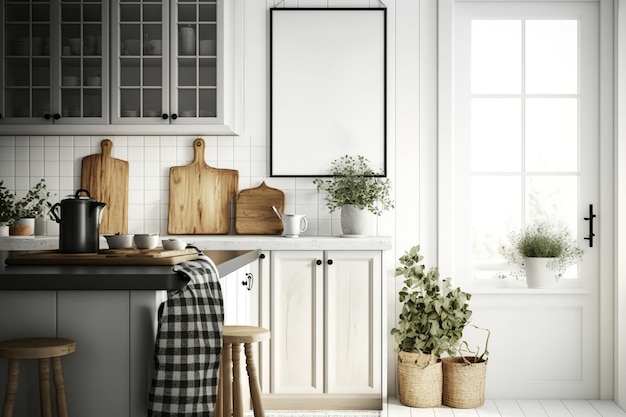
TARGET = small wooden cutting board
x,y
200,197
254,214
106,179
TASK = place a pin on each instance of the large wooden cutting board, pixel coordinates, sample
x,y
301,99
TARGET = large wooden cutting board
x,y
200,196
157,256
106,179
254,214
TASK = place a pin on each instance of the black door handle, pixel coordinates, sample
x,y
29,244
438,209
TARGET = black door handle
x,y
590,220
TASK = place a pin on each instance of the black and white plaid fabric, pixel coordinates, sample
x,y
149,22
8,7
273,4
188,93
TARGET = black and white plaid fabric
x,y
188,345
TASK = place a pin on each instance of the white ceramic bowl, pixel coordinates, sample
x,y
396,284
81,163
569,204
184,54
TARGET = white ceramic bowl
x,y
146,241
119,241
173,244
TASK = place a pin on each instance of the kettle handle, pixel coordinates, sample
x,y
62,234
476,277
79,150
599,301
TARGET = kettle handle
x,y
53,211
77,195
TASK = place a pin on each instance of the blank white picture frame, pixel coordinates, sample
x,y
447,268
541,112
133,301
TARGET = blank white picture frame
x,y
327,88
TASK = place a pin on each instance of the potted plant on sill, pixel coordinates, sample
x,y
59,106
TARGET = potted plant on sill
x,y
542,252
7,209
34,207
356,189
431,323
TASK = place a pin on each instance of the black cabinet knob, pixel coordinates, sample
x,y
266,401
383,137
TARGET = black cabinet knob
x,y
164,116
329,262
174,116
57,116
262,256
318,262
47,116
0,115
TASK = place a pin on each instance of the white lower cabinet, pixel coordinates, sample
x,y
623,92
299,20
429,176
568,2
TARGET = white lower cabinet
x,y
324,311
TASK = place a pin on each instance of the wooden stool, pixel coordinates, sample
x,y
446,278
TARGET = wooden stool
x,y
43,349
233,337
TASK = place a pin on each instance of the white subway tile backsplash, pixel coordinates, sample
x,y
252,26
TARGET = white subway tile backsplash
x,y
25,160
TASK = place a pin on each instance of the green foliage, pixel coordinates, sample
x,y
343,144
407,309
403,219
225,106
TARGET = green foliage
x,y
35,203
543,240
355,182
7,206
433,313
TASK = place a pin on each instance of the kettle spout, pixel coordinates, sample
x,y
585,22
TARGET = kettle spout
x,y
100,207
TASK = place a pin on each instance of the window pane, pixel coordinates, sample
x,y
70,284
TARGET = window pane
x,y
551,134
496,134
496,56
551,56
552,199
493,217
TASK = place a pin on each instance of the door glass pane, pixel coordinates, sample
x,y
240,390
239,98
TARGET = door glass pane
x,y
152,103
489,221
130,102
551,56
551,134
496,56
496,134
208,103
186,102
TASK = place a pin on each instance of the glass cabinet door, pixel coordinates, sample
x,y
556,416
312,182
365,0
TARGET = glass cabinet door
x,y
81,72
141,75
194,88
26,70
53,68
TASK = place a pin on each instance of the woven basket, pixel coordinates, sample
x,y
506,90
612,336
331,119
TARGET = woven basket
x,y
463,384
420,380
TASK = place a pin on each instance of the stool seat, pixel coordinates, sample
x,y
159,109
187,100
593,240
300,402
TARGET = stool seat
x,y
44,349
36,348
229,388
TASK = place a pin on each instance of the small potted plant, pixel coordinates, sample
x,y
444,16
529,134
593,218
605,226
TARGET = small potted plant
x,y
34,205
356,189
7,209
542,252
431,323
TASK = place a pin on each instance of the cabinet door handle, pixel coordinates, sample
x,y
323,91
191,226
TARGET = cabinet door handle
x,y
249,282
329,262
262,256
590,220
47,116
56,116
318,262
164,116
174,116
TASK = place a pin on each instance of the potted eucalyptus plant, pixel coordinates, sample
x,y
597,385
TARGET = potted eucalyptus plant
x,y
34,207
431,323
542,252
356,189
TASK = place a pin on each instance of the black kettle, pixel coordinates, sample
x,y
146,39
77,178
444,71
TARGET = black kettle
x,y
79,221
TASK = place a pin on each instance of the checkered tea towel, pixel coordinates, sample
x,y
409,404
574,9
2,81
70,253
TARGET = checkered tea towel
x,y
188,345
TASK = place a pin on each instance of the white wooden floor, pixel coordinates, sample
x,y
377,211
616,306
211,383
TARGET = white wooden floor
x,y
491,408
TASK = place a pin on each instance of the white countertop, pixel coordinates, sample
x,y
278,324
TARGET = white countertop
x,y
226,242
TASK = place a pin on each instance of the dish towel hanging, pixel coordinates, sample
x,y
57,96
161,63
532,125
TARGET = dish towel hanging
x,y
188,344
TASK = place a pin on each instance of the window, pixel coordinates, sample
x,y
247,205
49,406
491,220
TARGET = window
x,y
525,137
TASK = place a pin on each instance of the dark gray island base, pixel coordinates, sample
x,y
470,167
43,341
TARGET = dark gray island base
x,y
111,313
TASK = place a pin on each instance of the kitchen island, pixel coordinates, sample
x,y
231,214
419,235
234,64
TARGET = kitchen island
x,y
110,311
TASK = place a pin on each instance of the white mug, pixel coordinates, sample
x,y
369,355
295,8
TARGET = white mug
x,y
294,224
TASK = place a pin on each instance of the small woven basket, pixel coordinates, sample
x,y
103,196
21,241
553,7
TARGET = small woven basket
x,y
463,383
420,380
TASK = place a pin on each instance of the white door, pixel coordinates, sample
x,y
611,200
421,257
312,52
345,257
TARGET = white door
x,y
525,147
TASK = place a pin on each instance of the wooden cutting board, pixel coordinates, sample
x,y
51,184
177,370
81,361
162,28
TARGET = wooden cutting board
x,y
106,179
157,256
254,214
200,196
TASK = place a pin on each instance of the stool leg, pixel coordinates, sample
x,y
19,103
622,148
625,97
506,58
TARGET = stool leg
x,y
44,388
255,389
9,400
237,401
59,383
227,373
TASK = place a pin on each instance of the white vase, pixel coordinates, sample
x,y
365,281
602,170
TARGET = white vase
x,y
538,275
4,230
40,226
355,221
